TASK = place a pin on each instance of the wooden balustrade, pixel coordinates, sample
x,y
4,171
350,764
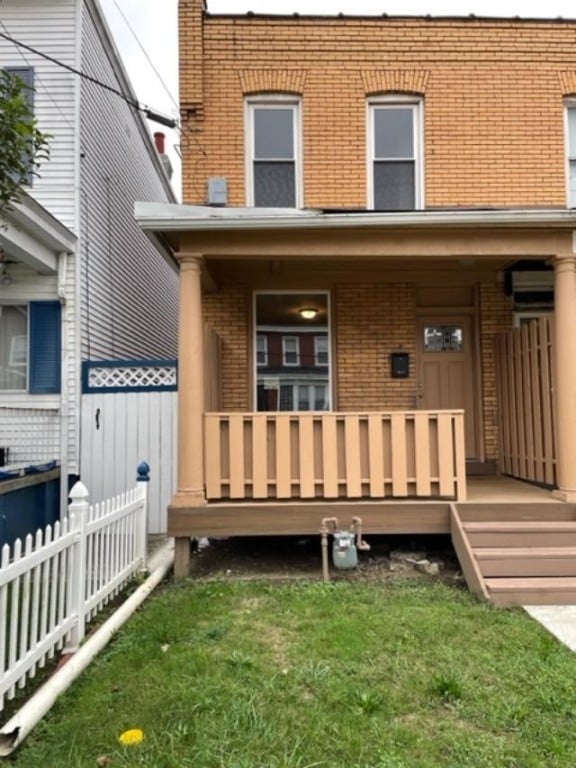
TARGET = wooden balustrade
x,y
292,456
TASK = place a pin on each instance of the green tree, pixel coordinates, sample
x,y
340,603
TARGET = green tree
x,y
22,146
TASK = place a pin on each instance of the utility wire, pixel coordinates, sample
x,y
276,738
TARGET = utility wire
x,y
150,113
149,60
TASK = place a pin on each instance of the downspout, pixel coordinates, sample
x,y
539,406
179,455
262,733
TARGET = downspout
x,y
64,383
16,729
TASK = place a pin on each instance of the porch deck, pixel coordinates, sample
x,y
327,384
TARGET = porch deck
x,y
496,496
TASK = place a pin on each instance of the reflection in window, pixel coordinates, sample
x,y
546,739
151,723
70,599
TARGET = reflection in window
x,y
13,347
443,338
292,352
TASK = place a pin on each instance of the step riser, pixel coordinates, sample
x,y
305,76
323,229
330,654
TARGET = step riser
x,y
522,539
526,567
534,597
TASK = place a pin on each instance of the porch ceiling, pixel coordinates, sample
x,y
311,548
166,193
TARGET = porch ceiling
x,y
30,234
320,273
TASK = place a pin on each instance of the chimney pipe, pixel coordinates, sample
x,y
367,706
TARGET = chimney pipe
x,y
159,139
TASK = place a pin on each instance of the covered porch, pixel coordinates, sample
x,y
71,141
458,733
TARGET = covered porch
x,y
398,462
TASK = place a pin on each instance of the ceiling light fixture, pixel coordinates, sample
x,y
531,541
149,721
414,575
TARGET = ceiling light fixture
x,y
308,313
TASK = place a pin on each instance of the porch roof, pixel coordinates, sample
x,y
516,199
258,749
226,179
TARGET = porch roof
x,y
168,218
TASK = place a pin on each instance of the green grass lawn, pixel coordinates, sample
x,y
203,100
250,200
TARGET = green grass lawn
x,y
404,673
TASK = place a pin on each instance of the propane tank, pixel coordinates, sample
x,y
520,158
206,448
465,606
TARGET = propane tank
x,y
344,551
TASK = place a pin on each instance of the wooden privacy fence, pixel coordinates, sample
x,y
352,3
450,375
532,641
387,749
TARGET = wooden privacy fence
x,y
52,583
525,389
335,455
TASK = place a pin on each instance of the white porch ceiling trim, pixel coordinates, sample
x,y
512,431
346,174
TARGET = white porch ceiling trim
x,y
30,234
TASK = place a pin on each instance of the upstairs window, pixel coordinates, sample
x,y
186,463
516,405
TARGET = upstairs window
x,y
290,350
261,349
273,128
26,76
571,152
394,145
321,350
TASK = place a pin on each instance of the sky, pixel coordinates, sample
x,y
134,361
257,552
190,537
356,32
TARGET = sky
x,y
154,23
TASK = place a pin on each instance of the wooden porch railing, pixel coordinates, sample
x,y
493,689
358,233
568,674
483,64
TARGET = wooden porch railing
x,y
397,454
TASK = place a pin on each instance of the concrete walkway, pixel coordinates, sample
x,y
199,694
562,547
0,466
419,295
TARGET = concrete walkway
x,y
560,620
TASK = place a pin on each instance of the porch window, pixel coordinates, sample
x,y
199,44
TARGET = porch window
x,y
571,152
296,376
13,348
30,347
395,172
272,144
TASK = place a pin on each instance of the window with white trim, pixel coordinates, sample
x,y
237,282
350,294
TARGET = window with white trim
x,y
571,152
297,373
13,348
290,350
395,155
320,350
261,349
30,347
273,129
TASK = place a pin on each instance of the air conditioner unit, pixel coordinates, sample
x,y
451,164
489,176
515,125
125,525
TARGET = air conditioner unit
x,y
533,280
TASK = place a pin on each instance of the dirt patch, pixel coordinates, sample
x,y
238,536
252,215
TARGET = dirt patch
x,y
285,558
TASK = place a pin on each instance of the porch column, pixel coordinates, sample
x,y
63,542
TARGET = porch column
x,y
190,491
565,373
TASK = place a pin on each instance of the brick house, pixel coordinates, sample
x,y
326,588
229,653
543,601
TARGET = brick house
x,y
411,181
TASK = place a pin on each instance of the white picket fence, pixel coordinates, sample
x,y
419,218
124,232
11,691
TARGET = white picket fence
x,y
56,581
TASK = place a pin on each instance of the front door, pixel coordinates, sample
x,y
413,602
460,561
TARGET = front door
x,y
446,370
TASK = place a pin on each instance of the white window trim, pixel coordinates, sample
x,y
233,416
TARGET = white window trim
x,y
328,329
274,101
568,104
418,126
284,361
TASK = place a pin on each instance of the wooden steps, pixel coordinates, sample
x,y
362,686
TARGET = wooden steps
x,y
518,562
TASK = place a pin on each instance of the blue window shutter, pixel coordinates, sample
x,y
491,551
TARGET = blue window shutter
x,y
45,351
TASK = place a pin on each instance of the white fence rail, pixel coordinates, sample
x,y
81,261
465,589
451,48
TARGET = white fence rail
x,y
53,583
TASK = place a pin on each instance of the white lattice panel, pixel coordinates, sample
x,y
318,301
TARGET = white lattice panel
x,y
130,377
31,435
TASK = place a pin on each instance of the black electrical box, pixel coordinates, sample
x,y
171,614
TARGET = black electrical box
x,y
400,365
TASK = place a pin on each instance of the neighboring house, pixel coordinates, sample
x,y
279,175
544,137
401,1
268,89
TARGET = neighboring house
x,y
412,181
80,281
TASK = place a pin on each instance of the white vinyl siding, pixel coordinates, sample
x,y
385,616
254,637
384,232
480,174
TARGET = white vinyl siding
x,y
129,291
50,27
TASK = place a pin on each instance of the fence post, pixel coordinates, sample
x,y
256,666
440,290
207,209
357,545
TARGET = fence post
x,y
78,514
143,478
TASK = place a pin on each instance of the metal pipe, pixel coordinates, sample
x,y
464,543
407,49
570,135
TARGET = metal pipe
x,y
324,531
16,729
